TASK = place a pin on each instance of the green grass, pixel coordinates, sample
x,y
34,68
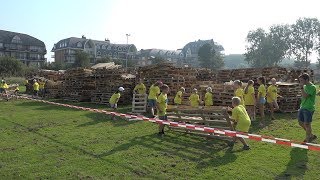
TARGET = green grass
x,y
39,140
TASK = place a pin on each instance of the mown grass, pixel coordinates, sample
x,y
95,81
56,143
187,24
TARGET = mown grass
x,y
44,141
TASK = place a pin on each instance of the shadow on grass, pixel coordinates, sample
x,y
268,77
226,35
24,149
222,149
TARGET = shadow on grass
x,y
297,166
44,106
102,118
171,146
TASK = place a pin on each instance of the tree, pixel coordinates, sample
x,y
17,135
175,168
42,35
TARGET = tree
x,y
304,39
106,59
10,66
210,56
157,60
82,59
267,49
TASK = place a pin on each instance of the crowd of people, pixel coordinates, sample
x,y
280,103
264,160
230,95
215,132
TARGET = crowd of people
x,y
244,103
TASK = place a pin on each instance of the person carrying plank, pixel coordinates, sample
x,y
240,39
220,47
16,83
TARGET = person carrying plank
x,y
178,97
208,97
140,88
241,121
113,101
154,92
162,103
250,100
307,106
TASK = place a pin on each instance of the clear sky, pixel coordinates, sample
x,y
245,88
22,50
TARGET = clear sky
x,y
167,24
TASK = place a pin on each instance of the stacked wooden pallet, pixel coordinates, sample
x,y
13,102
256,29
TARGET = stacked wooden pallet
x,y
51,75
78,84
53,89
224,75
206,75
108,80
139,103
291,93
293,74
275,72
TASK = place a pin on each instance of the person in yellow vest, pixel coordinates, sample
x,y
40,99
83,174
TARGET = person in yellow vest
x,y
250,100
113,101
4,90
272,95
194,98
154,92
16,90
162,104
241,120
239,91
208,97
35,88
178,97
261,99
140,88
42,83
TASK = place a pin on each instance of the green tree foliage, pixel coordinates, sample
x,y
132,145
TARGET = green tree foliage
x,y
234,61
304,39
158,60
106,59
210,56
267,49
82,59
10,66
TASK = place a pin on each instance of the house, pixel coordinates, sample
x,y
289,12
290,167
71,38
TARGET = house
x,y
146,56
29,50
65,50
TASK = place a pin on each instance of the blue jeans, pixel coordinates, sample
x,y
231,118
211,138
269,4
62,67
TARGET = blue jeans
x,y
152,103
262,100
305,116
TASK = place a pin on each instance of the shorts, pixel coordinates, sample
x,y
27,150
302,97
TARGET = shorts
x,y
165,117
35,92
114,106
262,100
305,116
152,103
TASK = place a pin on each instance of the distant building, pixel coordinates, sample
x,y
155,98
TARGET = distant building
x,y
65,50
23,47
146,56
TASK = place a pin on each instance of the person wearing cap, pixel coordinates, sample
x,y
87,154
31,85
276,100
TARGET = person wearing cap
x,y
208,97
35,88
154,92
178,97
194,98
140,88
115,98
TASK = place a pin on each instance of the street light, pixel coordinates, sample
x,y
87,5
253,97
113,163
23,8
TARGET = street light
x,y
128,37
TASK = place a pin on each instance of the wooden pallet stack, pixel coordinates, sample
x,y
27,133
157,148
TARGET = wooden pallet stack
x,y
108,80
239,74
275,72
53,89
253,74
291,93
78,84
51,75
139,103
293,74
224,75
206,75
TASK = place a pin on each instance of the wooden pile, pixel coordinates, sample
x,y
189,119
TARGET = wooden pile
x,y
108,80
139,103
291,93
53,89
279,73
51,75
206,75
224,75
78,84
293,74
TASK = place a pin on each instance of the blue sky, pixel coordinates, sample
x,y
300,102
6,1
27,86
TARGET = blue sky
x,y
167,24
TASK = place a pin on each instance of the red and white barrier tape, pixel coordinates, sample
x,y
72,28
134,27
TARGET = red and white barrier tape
x,y
209,130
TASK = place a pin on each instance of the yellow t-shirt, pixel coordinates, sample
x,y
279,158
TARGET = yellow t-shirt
x,y
36,86
141,88
1,85
26,82
262,91
162,103
154,91
5,86
41,85
208,99
240,115
239,93
249,96
17,88
272,93
178,98
194,100
114,98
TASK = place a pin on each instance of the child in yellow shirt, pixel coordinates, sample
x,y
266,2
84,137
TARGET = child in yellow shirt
x,y
154,92
250,100
241,120
261,99
208,97
178,97
113,101
140,88
162,103
239,91
194,98
272,94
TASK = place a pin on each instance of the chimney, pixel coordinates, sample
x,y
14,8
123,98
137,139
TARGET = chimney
x,y
83,37
107,40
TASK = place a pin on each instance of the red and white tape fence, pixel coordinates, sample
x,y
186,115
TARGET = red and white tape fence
x,y
209,130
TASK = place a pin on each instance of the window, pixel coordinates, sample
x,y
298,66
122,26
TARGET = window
x,y
1,45
16,40
99,53
119,48
109,48
98,46
103,47
79,44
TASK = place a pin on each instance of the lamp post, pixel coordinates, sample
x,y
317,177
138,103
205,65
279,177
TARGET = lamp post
x,y
128,37
128,50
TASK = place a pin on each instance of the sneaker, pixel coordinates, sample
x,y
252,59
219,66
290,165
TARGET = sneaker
x,y
161,133
246,147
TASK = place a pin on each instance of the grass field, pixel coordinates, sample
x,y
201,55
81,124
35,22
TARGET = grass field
x,y
40,141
